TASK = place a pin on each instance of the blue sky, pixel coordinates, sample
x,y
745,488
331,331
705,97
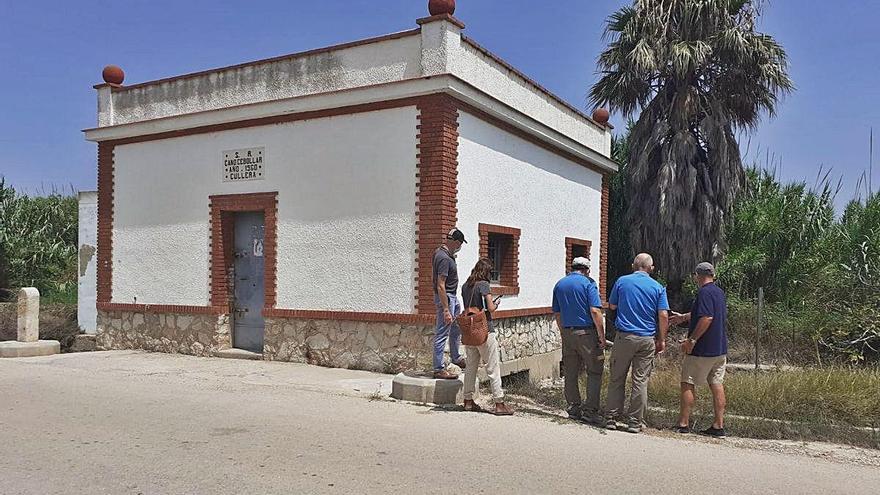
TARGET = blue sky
x,y
51,53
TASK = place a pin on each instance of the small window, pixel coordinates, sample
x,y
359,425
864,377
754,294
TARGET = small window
x,y
575,248
501,245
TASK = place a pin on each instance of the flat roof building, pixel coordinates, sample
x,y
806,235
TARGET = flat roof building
x,y
291,206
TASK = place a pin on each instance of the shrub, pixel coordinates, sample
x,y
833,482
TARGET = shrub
x,y
38,242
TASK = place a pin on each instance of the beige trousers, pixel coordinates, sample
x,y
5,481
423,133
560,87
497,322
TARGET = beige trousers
x,y
581,352
489,353
630,351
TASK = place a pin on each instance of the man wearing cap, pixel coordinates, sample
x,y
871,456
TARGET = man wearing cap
x,y
705,349
578,311
642,323
445,282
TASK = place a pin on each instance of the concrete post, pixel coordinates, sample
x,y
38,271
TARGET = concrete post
x,y
86,290
29,343
440,38
28,315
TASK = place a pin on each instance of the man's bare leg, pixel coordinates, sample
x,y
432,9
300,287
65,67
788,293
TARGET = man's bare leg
x,y
687,403
719,400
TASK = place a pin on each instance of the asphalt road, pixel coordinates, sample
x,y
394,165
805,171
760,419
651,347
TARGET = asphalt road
x,y
129,423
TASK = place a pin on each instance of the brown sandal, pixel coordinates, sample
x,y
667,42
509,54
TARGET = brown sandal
x,y
501,409
445,375
471,406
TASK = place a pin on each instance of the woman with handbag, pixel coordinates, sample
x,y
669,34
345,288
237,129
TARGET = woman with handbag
x,y
478,335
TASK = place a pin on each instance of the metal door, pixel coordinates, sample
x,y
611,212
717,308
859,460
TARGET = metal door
x,y
248,282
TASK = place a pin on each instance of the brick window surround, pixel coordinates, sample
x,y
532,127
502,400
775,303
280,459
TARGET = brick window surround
x,y
574,248
223,209
508,238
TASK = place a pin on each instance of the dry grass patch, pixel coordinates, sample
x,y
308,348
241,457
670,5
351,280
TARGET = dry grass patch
x,y
829,396
834,404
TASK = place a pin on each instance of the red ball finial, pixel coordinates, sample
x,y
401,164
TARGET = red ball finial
x,y
601,115
113,74
441,7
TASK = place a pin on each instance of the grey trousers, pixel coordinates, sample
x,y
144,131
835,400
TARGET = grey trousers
x,y
630,351
581,352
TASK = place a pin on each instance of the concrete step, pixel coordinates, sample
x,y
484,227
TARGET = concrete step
x,y
14,348
239,354
83,343
422,387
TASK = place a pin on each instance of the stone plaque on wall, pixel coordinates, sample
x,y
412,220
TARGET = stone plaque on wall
x,y
244,164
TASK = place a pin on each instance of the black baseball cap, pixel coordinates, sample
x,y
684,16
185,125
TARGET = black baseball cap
x,y
456,235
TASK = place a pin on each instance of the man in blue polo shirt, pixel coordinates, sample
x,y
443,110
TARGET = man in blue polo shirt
x,y
642,323
705,349
578,310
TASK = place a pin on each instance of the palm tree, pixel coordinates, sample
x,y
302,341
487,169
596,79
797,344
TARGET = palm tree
x,y
698,71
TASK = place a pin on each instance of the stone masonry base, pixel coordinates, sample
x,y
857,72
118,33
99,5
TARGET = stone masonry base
x,y
527,343
371,346
197,335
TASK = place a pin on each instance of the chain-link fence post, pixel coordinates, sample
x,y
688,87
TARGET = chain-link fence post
x,y
758,328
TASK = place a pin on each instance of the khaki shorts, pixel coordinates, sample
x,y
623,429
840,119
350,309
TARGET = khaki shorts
x,y
699,370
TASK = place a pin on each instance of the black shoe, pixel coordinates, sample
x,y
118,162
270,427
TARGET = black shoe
x,y
574,412
633,428
594,419
683,429
714,432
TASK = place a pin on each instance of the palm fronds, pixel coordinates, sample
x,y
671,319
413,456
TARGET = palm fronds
x,y
697,71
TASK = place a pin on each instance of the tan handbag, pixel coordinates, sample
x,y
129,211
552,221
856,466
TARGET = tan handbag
x,y
473,323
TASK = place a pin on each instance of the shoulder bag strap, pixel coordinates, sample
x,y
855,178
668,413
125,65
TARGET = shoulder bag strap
x,y
471,299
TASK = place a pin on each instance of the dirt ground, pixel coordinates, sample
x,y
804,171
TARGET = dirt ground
x,y
140,423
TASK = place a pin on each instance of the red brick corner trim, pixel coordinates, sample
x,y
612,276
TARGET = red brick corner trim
x,y
603,236
436,188
222,224
509,275
105,223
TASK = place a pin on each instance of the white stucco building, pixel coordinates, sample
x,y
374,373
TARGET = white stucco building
x,y
291,205
86,313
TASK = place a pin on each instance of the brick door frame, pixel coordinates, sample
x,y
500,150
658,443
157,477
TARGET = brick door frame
x,y
223,207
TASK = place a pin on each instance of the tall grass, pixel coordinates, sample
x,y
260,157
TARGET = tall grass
x,y
38,242
820,274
